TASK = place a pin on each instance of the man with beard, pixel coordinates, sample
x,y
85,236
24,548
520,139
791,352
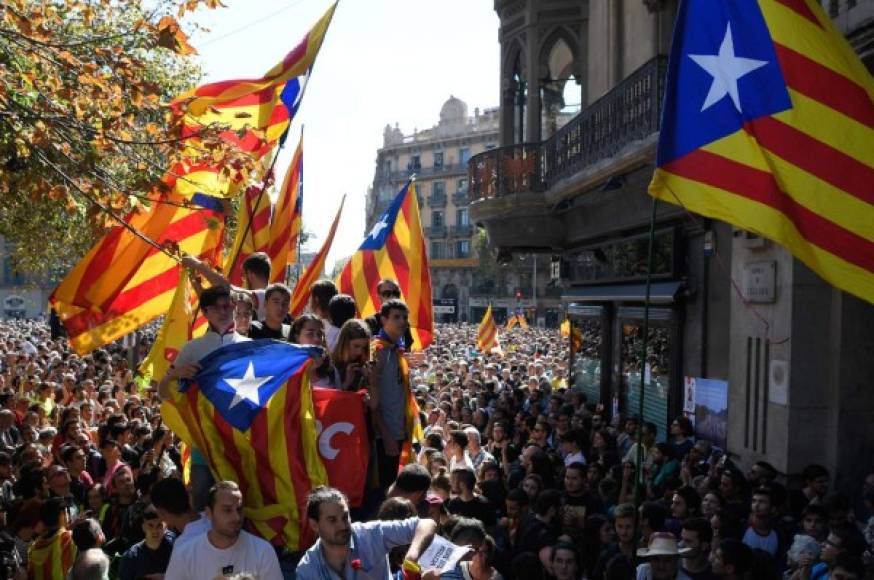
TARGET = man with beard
x,y
225,550
359,550
695,538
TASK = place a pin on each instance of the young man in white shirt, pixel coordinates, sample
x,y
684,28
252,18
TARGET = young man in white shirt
x,y
225,550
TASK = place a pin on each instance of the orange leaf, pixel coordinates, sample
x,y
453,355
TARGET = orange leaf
x,y
171,37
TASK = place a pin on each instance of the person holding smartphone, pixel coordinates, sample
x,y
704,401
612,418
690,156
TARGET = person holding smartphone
x,y
352,354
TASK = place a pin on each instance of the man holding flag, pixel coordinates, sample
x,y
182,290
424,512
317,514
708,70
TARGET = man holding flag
x,y
396,411
218,309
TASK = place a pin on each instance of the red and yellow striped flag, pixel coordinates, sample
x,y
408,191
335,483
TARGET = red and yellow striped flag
x,y
51,557
769,125
124,282
249,411
286,225
394,248
253,231
487,333
179,327
296,63
301,295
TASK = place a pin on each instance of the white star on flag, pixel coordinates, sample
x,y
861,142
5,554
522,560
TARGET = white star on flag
x,y
726,69
377,228
247,387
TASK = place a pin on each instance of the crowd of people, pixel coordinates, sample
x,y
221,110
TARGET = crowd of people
x,y
514,463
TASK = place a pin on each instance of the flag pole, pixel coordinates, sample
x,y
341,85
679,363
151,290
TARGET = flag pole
x,y
282,143
638,471
300,197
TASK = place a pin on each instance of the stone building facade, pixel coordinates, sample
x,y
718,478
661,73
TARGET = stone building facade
x,y
438,157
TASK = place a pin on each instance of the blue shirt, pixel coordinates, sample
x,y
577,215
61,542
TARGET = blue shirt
x,y
370,543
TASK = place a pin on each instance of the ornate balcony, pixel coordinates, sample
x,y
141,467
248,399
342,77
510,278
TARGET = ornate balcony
x,y
461,197
437,200
514,189
461,231
435,231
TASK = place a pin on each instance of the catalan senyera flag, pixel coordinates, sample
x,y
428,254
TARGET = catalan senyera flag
x,y
253,231
249,411
178,328
124,282
301,295
52,556
286,225
768,124
296,63
395,249
487,332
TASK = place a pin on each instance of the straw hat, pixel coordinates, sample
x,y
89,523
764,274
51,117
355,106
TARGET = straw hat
x,y
662,544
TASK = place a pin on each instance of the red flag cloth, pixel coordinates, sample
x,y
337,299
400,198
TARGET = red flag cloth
x,y
344,444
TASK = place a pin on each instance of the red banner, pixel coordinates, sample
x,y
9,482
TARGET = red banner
x,y
344,444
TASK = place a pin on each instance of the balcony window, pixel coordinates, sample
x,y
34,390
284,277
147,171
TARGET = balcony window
x,y
415,163
461,186
462,249
462,218
438,250
437,220
438,160
463,155
438,188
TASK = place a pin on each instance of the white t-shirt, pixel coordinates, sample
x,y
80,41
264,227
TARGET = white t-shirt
x,y
193,529
332,333
198,559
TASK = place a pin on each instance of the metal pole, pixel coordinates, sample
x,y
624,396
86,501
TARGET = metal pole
x,y
638,496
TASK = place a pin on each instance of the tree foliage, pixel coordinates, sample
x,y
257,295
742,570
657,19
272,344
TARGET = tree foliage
x,y
86,130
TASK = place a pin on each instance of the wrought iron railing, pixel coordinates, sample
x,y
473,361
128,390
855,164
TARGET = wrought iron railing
x,y
505,170
437,199
461,231
631,111
435,231
461,197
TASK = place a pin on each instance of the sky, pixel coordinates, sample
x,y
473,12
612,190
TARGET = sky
x,y
383,61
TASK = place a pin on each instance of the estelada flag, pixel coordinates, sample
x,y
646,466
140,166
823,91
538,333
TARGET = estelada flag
x,y
394,249
249,411
768,124
487,333
344,444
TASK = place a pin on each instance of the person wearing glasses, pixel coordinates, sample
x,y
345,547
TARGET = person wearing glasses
x,y
218,309
388,290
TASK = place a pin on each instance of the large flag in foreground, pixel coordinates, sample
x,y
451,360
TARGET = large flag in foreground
x,y
394,248
124,282
249,411
310,276
286,225
253,231
487,332
769,125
